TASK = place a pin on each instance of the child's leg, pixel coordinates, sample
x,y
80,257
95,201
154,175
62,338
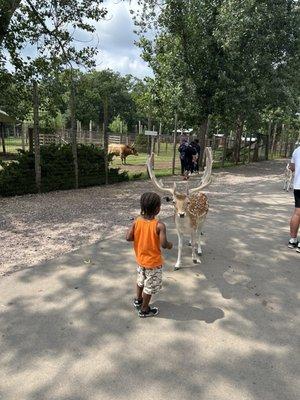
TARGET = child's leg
x,y
146,301
139,292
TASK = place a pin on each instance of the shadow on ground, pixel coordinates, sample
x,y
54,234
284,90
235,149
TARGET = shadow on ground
x,y
227,327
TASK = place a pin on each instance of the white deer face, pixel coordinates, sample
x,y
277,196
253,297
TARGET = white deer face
x,y
181,204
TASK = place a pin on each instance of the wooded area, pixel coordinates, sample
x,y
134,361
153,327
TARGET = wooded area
x,y
223,69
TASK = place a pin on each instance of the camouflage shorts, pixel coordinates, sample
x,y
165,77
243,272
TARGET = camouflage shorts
x,y
150,279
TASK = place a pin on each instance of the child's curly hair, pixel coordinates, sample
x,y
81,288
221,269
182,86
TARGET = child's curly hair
x,y
150,203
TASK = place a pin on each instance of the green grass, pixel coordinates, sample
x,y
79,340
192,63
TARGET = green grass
x,y
12,145
137,164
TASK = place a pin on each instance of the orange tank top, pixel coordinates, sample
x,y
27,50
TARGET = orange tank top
x,y
147,244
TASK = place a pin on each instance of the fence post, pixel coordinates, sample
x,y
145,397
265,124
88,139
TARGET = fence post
x,y
174,144
224,151
249,150
158,139
37,153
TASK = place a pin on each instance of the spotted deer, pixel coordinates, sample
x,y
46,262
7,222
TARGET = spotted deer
x,y
190,208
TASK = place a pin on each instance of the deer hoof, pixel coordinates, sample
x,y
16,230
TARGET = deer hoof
x,y
177,266
190,244
199,252
197,261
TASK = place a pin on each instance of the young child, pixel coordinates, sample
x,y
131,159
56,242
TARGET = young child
x,y
148,236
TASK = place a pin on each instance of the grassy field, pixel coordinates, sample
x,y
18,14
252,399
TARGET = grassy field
x,y
13,144
136,165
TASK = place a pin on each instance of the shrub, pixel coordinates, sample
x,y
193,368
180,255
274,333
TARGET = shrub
x,y
141,143
57,170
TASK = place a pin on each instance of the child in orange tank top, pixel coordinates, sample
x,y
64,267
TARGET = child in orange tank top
x,y
148,236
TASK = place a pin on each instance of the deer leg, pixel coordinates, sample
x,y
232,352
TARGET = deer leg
x,y
199,234
180,244
195,258
199,250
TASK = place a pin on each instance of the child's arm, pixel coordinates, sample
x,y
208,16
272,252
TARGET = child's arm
x,y
130,233
162,233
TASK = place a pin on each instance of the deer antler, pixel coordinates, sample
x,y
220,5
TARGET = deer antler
x,y
206,178
158,184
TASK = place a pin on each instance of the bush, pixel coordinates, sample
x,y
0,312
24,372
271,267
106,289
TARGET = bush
x,y
57,169
141,143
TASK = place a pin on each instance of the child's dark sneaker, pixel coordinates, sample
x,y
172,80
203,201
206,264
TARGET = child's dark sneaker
x,y
151,312
137,303
293,245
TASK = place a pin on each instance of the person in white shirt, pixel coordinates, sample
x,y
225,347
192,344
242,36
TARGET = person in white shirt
x,y
295,220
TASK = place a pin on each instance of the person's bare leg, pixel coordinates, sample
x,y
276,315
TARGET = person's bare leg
x,y
139,292
146,301
295,222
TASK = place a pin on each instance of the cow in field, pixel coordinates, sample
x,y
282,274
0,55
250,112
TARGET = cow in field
x,y
122,150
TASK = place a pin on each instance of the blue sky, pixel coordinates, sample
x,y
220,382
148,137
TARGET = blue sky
x,y
116,41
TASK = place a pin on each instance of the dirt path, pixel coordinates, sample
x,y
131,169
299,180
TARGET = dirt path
x,y
36,228
228,328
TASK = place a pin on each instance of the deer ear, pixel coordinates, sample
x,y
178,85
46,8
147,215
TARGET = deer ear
x,y
174,187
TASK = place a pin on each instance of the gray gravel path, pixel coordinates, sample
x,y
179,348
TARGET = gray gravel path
x,y
36,228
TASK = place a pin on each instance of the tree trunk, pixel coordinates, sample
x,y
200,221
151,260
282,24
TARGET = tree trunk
x,y
73,131
201,136
174,144
37,151
238,139
23,135
274,138
105,138
282,141
8,7
268,141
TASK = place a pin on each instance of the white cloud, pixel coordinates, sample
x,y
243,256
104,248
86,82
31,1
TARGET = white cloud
x,y
116,41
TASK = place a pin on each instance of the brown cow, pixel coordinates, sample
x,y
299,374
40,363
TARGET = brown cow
x,y
122,150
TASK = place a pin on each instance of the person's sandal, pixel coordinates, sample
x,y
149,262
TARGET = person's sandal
x,y
137,303
151,312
